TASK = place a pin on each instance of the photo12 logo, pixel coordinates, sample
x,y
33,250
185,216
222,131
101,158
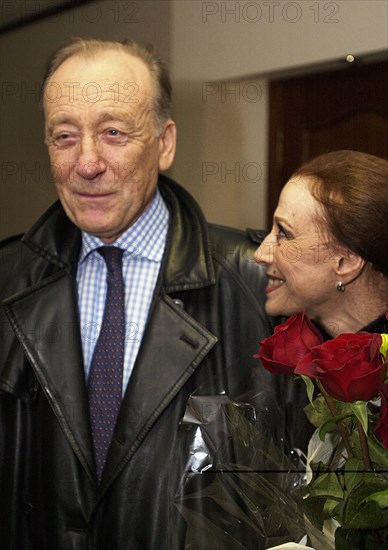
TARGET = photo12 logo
x,y
269,12
231,92
232,172
31,92
69,12
91,92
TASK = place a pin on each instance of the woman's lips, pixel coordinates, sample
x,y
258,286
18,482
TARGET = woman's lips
x,y
273,284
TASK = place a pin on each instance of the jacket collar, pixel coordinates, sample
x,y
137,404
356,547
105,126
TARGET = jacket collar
x,y
187,264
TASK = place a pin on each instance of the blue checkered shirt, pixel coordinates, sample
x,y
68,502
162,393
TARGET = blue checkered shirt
x,y
143,243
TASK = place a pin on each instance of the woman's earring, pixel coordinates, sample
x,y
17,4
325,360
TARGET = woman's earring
x,y
340,286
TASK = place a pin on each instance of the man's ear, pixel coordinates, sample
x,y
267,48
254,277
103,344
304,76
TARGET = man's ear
x,y
349,265
167,145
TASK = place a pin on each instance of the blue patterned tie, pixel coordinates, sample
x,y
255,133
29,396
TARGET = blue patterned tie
x,y
106,370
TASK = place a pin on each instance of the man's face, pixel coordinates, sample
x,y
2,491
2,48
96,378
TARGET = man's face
x,y
103,139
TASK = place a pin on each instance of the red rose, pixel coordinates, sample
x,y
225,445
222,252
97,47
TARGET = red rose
x,y
349,367
291,341
381,429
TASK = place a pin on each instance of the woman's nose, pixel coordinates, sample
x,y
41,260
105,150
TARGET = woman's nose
x,y
265,252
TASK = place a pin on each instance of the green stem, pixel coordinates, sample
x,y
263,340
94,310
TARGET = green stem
x,y
340,425
364,447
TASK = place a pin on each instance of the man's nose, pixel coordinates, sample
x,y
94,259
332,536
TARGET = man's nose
x,y
90,162
265,253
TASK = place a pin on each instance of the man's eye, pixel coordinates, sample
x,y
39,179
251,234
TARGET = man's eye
x,y
112,134
63,139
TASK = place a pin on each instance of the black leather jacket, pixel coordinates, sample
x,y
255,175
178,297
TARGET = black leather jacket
x,y
206,319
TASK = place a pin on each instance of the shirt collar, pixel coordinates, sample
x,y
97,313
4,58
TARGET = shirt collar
x,y
145,239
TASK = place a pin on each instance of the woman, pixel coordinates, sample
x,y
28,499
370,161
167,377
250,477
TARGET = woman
x,y
327,251
326,255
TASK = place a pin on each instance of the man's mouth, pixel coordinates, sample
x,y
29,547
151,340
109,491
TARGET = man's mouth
x,y
94,195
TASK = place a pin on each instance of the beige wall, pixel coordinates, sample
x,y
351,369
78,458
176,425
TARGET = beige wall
x,y
228,39
220,55
222,147
222,52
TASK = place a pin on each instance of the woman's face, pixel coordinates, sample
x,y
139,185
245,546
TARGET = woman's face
x,y
299,257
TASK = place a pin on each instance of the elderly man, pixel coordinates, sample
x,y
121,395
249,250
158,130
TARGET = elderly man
x,y
116,306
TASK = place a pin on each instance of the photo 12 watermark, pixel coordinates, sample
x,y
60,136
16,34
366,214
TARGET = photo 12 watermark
x,y
30,92
114,11
230,12
233,172
232,92
293,252
26,173
37,173
66,332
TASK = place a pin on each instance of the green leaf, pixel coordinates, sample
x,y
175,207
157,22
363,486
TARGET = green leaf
x,y
384,345
351,539
337,512
318,412
380,497
331,424
353,473
313,508
310,387
329,507
363,510
359,409
327,485
378,454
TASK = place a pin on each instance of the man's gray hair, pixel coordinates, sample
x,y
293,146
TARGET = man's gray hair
x,y
91,46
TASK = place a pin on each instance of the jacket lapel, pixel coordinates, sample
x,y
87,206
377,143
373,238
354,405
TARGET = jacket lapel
x,y
45,320
172,348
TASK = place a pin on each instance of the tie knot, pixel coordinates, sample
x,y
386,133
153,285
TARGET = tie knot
x,y
113,257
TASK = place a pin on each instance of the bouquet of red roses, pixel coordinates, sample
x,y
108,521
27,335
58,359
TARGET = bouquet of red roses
x,y
347,459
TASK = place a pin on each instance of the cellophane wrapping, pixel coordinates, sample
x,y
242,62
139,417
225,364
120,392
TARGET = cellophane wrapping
x,y
240,486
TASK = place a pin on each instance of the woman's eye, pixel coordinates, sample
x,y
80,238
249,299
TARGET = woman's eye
x,y
282,233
